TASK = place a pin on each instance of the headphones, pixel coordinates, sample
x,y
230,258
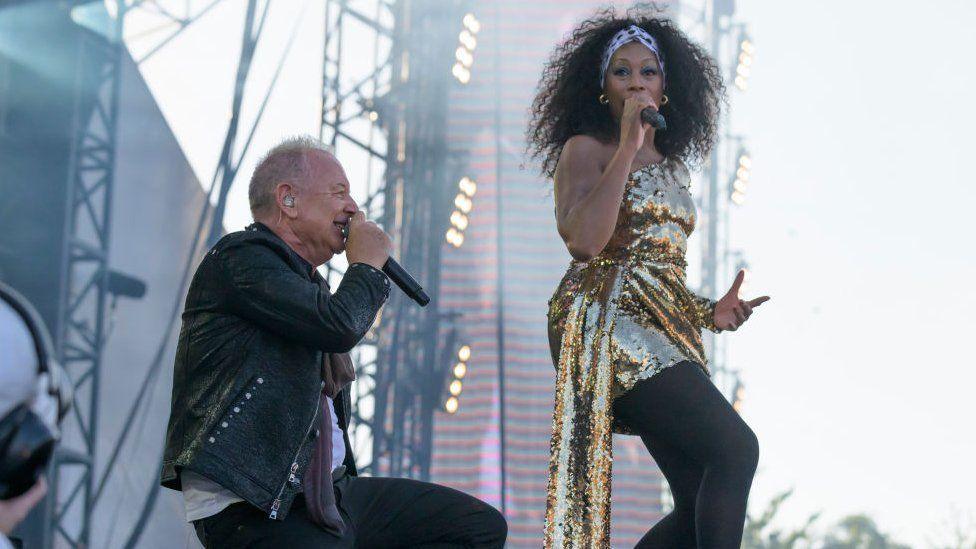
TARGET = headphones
x,y
289,201
29,432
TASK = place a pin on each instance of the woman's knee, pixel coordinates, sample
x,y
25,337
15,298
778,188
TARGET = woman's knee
x,y
746,454
495,527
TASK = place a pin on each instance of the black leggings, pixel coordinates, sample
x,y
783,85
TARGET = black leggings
x,y
705,450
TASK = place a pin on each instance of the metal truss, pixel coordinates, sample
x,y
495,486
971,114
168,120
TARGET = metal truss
x,y
354,122
168,22
82,331
365,119
413,359
715,22
385,118
81,326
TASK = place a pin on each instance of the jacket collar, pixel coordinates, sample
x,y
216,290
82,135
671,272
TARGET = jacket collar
x,y
264,229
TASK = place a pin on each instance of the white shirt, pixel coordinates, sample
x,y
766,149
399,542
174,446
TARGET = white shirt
x,y
204,498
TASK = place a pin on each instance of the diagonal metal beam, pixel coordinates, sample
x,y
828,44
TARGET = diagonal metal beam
x,y
225,171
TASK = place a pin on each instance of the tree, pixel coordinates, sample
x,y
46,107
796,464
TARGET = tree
x,y
851,532
758,534
859,532
956,532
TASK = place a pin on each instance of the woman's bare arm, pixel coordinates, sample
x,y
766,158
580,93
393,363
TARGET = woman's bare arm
x,y
588,195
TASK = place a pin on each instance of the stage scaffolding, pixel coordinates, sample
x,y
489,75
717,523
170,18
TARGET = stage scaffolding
x,y
386,72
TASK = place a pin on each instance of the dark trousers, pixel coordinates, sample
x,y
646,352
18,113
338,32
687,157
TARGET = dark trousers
x,y
705,450
378,512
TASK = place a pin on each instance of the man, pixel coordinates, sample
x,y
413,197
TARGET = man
x,y
257,436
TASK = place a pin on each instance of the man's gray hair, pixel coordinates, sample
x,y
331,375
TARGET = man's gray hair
x,y
286,162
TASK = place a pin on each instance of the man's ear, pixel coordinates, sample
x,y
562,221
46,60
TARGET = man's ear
x,y
286,200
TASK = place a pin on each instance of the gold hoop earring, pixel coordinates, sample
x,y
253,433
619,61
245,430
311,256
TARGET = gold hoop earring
x,y
603,99
664,100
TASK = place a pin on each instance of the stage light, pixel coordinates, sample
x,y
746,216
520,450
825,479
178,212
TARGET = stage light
x,y
456,387
459,220
745,166
451,405
467,186
463,203
743,170
373,116
747,46
468,40
454,237
745,57
464,54
462,74
464,57
459,217
471,23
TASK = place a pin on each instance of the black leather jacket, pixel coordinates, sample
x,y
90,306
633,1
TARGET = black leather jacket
x,y
247,379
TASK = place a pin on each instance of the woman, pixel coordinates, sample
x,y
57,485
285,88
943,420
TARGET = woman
x,y
624,329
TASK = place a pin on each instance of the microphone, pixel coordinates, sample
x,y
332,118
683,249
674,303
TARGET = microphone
x,y
654,118
406,282
400,277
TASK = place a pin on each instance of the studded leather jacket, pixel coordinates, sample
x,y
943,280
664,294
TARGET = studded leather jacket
x,y
247,378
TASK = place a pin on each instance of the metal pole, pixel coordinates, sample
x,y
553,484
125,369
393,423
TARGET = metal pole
x,y
500,263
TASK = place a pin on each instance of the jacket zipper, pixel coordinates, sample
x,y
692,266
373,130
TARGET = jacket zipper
x,y
276,504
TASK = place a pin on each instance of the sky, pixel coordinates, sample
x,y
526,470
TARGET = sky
x,y
857,222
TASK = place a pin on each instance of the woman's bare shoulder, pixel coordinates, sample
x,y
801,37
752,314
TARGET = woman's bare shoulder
x,y
582,143
583,150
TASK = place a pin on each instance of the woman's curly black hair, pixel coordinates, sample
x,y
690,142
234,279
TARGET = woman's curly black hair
x,y
567,102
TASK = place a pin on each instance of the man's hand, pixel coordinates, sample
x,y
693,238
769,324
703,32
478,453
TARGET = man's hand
x,y
730,311
13,510
367,243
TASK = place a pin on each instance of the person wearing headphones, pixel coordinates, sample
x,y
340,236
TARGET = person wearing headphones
x,y
33,400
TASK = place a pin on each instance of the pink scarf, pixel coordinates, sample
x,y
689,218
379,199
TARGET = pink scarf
x,y
337,373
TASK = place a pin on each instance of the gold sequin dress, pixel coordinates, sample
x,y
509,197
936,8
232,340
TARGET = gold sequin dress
x,y
618,318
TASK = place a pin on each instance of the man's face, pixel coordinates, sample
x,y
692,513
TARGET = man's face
x,y
324,206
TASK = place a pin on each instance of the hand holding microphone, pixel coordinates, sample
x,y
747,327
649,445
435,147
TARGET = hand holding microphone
x,y
639,109
367,243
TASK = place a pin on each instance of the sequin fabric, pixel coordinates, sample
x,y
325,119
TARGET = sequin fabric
x,y
618,318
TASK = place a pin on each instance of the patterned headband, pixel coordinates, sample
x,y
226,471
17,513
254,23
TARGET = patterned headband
x,y
632,33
